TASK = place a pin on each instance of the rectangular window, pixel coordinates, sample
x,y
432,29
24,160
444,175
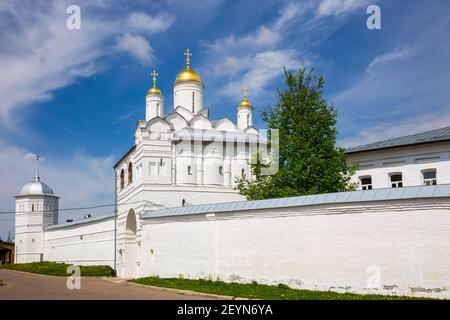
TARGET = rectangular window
x,y
366,183
429,177
396,180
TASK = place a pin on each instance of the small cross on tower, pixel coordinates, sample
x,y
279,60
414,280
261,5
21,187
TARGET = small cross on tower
x,y
154,75
245,92
188,55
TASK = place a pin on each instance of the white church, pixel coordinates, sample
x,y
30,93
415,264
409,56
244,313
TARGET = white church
x,y
178,213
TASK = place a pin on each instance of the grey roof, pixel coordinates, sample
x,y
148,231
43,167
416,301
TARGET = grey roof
x,y
36,188
442,134
75,223
442,190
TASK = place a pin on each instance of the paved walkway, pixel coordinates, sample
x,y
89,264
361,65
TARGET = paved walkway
x,y
26,286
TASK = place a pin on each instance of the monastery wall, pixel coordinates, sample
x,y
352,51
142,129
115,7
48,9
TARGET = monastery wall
x,y
81,243
380,246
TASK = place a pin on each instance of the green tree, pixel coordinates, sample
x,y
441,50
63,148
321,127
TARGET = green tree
x,y
309,161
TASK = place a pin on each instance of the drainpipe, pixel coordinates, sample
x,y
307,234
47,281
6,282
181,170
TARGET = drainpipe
x,y
115,222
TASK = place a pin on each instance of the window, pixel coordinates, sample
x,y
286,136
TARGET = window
x,y
243,173
122,179
189,170
130,173
429,177
32,208
193,101
248,120
221,170
366,183
396,180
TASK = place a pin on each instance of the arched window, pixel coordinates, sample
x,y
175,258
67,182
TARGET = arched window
x,y
248,120
189,170
193,102
221,170
122,179
130,173
243,173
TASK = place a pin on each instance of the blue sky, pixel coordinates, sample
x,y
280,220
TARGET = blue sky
x,y
74,96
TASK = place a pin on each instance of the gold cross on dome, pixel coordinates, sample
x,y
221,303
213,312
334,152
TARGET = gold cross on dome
x,y
154,75
245,92
188,55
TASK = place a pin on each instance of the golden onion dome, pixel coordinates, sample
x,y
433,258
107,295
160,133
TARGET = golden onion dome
x,y
245,103
154,89
188,75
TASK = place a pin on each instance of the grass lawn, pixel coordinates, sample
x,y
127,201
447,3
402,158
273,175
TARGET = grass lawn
x,y
59,269
258,291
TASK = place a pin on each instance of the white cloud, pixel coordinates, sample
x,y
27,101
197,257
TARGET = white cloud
x,y
391,129
137,46
338,7
80,180
262,69
39,54
143,22
399,53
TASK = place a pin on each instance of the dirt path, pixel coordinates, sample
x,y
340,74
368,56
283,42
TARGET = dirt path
x,y
21,286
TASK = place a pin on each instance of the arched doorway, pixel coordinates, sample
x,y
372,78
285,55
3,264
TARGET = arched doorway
x,y
131,247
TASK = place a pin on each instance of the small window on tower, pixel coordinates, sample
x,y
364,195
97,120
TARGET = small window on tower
x,y
243,173
189,170
130,173
221,170
32,208
122,179
193,102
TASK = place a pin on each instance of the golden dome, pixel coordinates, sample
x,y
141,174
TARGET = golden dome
x,y
245,102
154,89
188,75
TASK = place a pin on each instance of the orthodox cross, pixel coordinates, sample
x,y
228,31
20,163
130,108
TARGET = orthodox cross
x,y
188,55
245,92
154,75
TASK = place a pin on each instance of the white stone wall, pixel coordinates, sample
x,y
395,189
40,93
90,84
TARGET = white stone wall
x,y
188,95
410,161
339,247
88,243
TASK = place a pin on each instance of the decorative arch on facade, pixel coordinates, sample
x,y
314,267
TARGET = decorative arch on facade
x,y
130,172
122,179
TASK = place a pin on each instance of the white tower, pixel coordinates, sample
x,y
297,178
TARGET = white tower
x,y
154,106
36,208
188,88
244,113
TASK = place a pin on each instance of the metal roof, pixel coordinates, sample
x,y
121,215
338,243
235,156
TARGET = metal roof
x,y
442,190
74,223
442,134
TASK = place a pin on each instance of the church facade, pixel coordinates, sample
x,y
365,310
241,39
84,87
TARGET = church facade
x,y
178,213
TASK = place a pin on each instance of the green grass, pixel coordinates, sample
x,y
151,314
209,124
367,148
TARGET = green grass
x,y
258,291
59,269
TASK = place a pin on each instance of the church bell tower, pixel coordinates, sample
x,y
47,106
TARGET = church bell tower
x,y
154,106
36,208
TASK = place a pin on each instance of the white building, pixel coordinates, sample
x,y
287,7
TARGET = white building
x,y
413,160
178,214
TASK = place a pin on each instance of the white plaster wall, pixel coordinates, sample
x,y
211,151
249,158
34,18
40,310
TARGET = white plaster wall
x,y
323,247
90,243
410,161
182,95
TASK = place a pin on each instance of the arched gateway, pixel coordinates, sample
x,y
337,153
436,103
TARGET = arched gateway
x,y
131,246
